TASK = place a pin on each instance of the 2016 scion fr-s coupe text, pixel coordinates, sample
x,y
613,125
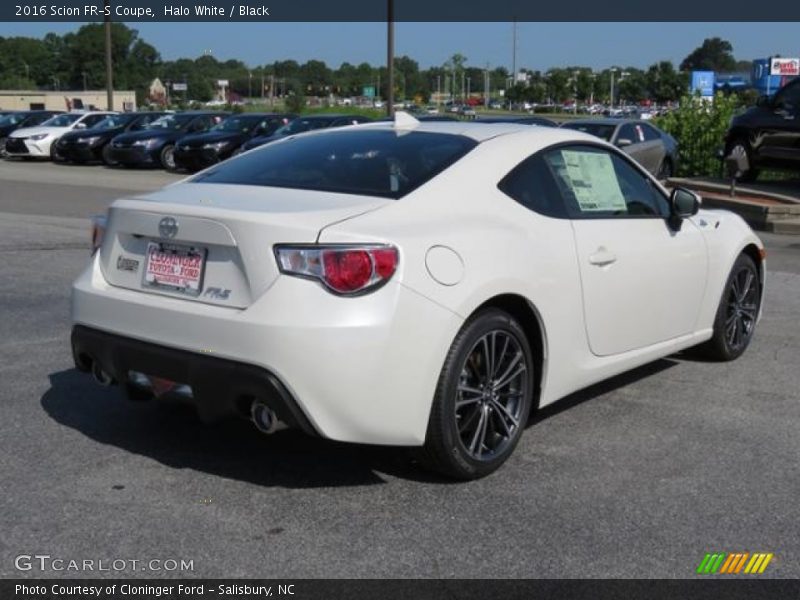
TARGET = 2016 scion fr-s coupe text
x,y
410,284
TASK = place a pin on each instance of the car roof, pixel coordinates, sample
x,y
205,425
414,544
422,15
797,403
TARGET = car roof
x,y
602,121
481,132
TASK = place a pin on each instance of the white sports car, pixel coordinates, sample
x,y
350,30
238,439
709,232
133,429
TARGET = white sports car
x,y
38,142
410,284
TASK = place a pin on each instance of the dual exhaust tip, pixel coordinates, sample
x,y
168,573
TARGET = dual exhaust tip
x,y
263,417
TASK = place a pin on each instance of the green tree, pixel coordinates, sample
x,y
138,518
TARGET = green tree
x,y
715,54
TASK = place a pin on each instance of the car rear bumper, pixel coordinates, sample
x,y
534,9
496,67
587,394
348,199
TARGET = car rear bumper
x,y
360,369
219,387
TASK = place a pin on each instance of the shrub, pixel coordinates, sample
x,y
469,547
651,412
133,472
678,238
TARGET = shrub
x,y
699,127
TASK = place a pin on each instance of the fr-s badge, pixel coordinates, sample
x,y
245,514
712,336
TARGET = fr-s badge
x,y
217,293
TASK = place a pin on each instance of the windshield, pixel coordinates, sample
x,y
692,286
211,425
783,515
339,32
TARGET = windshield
x,y
11,119
114,121
171,122
367,162
237,124
62,120
601,130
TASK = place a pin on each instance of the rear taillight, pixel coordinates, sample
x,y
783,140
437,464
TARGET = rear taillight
x,y
343,269
98,231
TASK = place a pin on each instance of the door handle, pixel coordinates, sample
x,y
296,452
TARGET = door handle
x,y
602,257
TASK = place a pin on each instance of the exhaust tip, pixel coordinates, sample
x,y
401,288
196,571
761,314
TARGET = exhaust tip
x,y
263,417
101,376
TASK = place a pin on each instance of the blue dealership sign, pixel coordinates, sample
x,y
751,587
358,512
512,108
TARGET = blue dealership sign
x,y
703,82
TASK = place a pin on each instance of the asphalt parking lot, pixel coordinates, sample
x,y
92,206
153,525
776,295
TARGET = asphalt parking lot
x,y
637,477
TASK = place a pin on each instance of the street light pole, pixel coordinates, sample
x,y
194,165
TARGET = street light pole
x,y
109,65
390,57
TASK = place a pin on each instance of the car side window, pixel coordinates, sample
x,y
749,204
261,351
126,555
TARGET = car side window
x,y
143,122
93,120
598,184
531,184
789,98
650,134
628,132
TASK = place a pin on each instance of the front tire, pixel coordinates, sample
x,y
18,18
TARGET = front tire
x,y
106,156
737,313
741,147
483,398
167,157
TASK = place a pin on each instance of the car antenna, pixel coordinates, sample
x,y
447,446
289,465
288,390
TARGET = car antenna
x,y
403,120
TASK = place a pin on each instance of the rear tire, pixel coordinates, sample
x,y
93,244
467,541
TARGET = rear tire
x,y
483,398
738,310
167,157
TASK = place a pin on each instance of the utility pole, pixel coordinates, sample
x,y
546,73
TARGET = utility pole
x,y
109,65
272,90
514,54
249,85
390,57
613,70
85,87
486,90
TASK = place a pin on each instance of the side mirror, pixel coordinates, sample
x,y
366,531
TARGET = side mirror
x,y
623,142
80,125
684,203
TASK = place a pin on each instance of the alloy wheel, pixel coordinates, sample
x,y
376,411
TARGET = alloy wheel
x,y
490,395
742,309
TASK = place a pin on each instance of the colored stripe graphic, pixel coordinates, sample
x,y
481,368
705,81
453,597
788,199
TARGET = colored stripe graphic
x,y
724,563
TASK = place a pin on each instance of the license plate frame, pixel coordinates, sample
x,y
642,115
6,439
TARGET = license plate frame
x,y
161,281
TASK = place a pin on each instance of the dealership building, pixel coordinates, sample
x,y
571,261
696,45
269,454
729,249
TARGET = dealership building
x,y
65,100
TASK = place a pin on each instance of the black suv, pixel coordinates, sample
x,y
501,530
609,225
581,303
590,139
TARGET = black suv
x,y
768,134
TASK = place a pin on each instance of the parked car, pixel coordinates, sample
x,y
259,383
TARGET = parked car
x,y
655,150
410,284
94,145
154,146
200,150
768,134
39,141
467,111
303,124
541,121
13,120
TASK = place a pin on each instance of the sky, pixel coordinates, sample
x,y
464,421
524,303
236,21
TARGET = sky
x,y
539,45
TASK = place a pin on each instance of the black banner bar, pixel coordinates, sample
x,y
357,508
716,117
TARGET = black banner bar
x,y
738,588
407,10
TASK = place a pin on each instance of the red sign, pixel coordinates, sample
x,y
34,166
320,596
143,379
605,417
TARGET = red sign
x,y
785,66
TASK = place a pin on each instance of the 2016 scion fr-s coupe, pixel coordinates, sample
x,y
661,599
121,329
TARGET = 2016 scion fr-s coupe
x,y
410,284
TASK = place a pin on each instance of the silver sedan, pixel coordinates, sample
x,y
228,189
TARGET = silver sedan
x,y
655,150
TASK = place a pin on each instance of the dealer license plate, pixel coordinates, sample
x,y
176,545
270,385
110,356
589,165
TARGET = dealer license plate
x,y
176,268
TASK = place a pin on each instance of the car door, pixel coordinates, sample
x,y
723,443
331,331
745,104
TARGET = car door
x,y
642,281
779,135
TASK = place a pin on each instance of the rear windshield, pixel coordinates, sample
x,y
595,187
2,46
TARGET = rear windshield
x,y
600,130
383,163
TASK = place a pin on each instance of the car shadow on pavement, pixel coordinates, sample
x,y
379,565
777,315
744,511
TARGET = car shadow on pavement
x,y
175,437
604,387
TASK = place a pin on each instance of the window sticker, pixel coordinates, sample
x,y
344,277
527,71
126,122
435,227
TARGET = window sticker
x,y
593,181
